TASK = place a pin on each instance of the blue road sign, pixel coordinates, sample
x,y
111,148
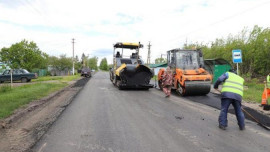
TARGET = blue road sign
x,y
237,56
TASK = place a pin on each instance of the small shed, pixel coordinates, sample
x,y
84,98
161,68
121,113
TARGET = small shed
x,y
217,67
157,67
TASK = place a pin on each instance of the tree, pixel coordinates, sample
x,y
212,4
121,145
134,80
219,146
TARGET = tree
x,y
160,60
64,62
77,64
60,63
255,46
103,64
92,62
53,61
25,55
84,60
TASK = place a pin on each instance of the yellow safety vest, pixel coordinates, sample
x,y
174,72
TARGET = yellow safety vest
x,y
234,84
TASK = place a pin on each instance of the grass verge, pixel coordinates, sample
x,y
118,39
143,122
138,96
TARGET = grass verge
x,y
254,91
60,78
13,98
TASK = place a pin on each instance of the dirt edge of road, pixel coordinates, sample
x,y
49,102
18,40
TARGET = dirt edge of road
x,y
20,131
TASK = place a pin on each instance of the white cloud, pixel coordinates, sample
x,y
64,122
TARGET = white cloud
x,y
97,25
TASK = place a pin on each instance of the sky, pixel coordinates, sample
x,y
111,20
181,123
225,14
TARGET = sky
x,y
98,24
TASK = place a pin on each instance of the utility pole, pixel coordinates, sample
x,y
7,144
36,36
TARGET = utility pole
x,y
73,56
149,53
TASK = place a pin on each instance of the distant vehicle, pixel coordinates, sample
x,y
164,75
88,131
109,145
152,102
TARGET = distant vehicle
x,y
17,75
86,72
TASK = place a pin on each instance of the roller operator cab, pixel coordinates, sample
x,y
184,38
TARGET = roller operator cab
x,y
190,77
129,72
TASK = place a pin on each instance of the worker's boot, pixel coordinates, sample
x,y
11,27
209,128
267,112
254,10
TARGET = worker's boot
x,y
222,127
242,128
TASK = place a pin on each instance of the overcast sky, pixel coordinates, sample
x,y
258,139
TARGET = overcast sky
x,y
97,25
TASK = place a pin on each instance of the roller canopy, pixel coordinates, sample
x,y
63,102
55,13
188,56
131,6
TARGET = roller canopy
x,y
128,45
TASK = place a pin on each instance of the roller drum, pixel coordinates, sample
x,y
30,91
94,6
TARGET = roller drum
x,y
197,87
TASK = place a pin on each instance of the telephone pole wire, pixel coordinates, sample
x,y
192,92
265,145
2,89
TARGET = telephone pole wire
x,y
73,56
149,53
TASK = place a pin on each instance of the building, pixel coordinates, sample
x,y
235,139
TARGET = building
x,y
157,67
217,67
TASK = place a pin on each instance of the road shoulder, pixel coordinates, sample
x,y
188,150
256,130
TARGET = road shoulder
x,y
25,127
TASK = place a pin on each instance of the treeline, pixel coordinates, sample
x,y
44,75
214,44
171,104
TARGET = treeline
x,y
28,56
255,46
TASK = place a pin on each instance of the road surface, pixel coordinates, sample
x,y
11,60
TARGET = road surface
x,y
102,118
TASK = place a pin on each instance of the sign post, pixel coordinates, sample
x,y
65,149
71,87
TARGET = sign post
x,y
237,57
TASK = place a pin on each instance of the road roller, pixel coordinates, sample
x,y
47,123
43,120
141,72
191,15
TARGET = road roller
x,y
189,75
130,72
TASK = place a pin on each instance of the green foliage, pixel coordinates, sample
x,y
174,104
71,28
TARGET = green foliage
x,y
160,60
64,62
103,64
255,46
110,66
25,55
60,63
92,62
77,64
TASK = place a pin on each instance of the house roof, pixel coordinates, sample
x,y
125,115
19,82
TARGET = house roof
x,y
218,61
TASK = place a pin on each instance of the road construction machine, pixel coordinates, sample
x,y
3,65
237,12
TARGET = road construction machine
x,y
130,72
189,75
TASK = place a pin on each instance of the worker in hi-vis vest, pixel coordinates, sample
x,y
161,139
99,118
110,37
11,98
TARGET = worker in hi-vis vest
x,y
266,92
231,93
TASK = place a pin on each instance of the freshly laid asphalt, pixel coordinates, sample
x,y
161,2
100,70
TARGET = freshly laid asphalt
x,y
213,100
102,118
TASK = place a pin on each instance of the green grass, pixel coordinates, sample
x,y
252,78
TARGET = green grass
x,y
70,78
13,98
16,97
254,91
5,88
60,78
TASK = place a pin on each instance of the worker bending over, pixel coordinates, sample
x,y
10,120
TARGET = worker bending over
x,y
167,82
266,92
231,93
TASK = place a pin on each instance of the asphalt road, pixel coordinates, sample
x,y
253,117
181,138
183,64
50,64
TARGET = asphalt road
x,y
102,118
